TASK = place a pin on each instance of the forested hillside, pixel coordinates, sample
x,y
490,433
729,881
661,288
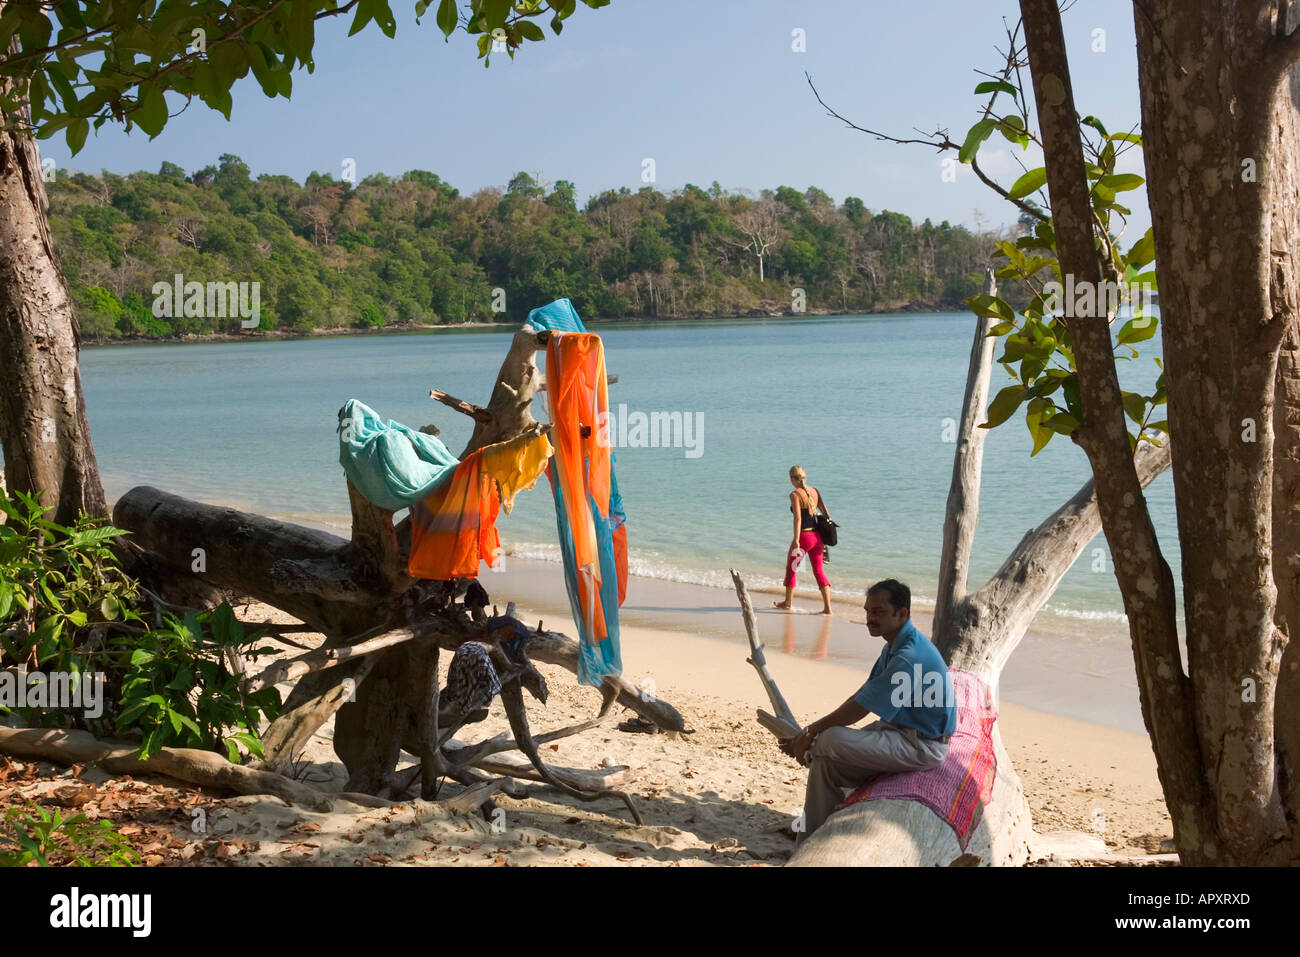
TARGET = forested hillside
x,y
329,254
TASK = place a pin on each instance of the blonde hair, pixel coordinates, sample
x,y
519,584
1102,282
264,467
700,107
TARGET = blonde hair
x,y
797,472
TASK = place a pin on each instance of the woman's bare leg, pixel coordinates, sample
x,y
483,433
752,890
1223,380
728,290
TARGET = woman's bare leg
x,y
826,599
789,597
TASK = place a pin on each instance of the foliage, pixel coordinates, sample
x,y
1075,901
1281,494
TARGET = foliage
x,y
83,64
66,606
1037,351
33,834
60,589
178,692
333,254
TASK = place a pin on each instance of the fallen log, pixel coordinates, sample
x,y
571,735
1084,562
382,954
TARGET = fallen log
x,y
204,768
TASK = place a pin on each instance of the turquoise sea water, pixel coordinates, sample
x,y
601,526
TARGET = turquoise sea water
x,y
860,402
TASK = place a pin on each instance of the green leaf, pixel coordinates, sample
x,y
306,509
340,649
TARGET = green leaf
x,y
1120,182
1137,329
151,115
1063,423
110,608
991,306
1034,180
1003,404
529,30
1135,405
974,137
1125,138
1012,129
447,17
1144,250
991,86
1095,124
76,135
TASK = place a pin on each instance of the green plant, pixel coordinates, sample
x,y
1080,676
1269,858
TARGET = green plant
x,y
61,590
178,691
66,606
1037,352
34,834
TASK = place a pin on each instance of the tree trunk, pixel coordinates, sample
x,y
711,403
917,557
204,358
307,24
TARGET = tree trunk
x,y
43,426
1224,196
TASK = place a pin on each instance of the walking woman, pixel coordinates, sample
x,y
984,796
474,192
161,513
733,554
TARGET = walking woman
x,y
804,503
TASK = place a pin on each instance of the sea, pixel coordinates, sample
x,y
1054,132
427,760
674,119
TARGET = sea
x,y
707,417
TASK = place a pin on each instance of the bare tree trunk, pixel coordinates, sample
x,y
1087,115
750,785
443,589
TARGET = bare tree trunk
x,y
1222,336
43,426
964,490
1144,577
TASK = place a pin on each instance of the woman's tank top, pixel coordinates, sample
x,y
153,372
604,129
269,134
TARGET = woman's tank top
x,y
807,519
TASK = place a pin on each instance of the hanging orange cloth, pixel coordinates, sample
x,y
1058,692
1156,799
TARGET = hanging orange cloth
x,y
577,394
454,527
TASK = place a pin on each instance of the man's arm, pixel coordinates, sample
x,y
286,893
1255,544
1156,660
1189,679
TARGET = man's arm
x,y
847,713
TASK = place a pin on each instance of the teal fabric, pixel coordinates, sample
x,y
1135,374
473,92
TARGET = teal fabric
x,y
594,660
392,465
558,316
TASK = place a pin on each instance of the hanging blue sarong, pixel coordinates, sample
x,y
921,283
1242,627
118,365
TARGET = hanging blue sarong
x,y
594,660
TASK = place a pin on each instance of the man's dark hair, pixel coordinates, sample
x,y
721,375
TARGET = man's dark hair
x,y
900,596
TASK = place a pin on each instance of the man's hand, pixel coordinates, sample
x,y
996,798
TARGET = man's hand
x,y
797,747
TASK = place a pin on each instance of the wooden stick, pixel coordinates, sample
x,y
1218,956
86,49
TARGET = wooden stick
x,y
323,658
475,412
580,778
783,724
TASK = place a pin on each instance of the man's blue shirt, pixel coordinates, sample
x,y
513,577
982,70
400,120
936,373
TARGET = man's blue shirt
x,y
909,686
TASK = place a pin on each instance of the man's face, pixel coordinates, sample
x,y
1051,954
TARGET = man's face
x,y
882,617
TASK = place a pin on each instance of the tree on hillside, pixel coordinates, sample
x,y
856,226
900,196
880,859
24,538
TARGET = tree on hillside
x,y
759,226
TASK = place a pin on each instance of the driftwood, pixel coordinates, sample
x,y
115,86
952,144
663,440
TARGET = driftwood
x,y
976,632
191,765
383,689
783,724
322,658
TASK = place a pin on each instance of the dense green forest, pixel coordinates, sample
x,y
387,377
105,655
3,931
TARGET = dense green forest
x,y
328,254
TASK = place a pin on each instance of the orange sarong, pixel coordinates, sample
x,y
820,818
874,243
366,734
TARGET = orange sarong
x,y
577,394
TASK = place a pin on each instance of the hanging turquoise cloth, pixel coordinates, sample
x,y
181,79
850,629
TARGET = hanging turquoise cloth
x,y
594,660
392,465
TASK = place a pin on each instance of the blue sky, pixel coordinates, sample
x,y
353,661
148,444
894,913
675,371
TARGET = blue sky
x,y
709,91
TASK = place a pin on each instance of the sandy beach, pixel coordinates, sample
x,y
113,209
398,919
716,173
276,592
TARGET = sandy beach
x,y
719,795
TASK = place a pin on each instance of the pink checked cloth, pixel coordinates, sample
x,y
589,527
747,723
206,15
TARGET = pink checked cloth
x,y
958,789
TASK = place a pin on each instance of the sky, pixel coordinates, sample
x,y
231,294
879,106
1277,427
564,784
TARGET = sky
x,y
707,90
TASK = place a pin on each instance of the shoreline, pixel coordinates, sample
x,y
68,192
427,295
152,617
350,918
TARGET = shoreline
x,y
403,328
1071,668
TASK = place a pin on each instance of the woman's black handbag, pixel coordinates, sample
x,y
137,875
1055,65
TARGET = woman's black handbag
x,y
828,531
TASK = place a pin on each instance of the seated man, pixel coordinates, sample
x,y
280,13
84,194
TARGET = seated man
x,y
911,692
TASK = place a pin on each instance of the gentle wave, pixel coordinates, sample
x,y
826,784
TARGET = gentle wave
x,y
664,569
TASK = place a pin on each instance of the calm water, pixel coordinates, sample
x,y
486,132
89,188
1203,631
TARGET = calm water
x,y
860,402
